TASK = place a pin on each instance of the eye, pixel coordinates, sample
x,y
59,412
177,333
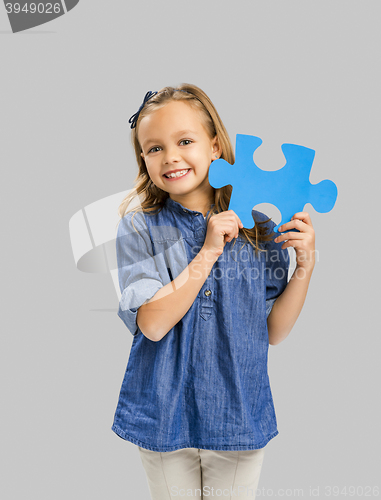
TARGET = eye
x,y
154,149
186,142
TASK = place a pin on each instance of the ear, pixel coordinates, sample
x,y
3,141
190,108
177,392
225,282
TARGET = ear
x,y
216,149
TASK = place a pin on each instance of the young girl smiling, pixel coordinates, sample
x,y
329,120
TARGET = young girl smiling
x,y
196,396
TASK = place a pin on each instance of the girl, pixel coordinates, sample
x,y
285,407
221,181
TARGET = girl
x,y
196,396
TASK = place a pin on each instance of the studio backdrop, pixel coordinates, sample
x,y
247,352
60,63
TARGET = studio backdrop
x,y
288,72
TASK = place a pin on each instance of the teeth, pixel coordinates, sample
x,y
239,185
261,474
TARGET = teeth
x,y
177,174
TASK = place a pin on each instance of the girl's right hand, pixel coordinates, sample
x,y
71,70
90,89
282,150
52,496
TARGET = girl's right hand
x,y
222,228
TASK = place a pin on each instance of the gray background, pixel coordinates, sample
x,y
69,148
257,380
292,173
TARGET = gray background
x,y
287,71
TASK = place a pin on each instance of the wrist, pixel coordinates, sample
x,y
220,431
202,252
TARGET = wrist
x,y
210,256
304,270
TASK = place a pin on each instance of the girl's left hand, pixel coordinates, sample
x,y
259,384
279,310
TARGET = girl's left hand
x,y
303,242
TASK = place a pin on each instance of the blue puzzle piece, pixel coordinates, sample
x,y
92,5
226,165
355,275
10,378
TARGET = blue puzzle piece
x,y
288,188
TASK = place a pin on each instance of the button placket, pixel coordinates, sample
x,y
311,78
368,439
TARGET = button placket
x,y
207,298
199,226
206,293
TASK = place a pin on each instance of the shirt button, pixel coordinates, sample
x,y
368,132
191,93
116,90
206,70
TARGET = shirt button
x,y
185,210
208,292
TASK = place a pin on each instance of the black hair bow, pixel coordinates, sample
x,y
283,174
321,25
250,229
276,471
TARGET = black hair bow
x,y
134,118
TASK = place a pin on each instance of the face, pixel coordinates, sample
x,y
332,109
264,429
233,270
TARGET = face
x,y
173,139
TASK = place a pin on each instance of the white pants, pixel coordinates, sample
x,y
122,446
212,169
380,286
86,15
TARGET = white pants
x,y
195,473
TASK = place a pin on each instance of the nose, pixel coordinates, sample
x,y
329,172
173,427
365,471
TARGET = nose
x,y
171,155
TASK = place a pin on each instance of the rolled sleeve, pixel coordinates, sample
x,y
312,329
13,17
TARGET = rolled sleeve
x,y
138,270
269,306
277,264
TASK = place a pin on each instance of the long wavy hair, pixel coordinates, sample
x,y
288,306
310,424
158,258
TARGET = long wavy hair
x,y
151,199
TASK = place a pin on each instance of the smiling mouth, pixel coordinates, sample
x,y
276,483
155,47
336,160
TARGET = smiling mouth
x,y
176,175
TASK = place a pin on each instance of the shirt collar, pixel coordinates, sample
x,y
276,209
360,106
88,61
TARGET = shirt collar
x,y
177,207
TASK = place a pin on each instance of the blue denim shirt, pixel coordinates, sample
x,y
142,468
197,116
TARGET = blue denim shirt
x,y
205,384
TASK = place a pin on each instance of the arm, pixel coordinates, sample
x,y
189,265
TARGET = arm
x,y
165,309
289,304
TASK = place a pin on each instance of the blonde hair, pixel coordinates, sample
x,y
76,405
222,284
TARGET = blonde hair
x,y
152,198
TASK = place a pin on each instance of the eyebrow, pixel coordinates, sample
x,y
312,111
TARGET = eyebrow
x,y
180,132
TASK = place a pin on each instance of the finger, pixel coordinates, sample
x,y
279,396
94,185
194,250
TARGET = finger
x,y
295,224
296,244
239,222
229,232
237,226
286,245
289,236
304,216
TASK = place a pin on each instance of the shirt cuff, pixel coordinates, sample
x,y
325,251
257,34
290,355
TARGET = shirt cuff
x,y
133,297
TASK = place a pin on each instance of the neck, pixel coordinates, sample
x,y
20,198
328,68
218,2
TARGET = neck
x,y
194,202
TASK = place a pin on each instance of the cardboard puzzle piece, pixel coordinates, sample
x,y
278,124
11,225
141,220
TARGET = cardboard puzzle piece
x,y
288,188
